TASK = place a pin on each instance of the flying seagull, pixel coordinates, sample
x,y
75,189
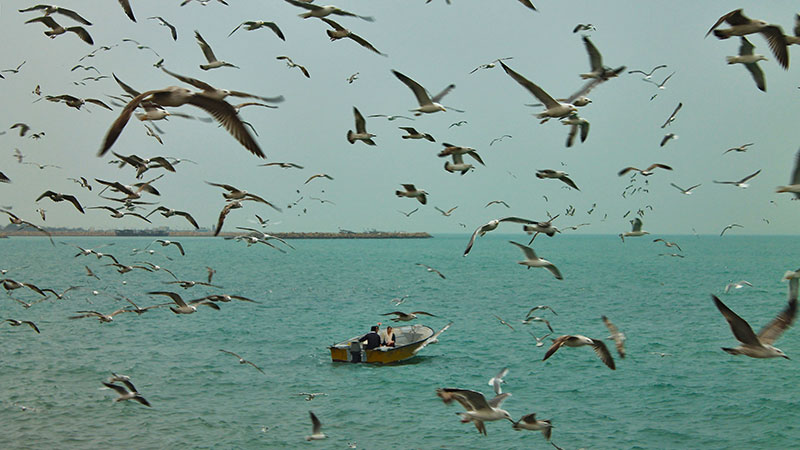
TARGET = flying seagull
x,y
684,191
490,65
529,422
478,410
647,75
728,227
491,226
58,197
667,137
671,117
427,104
291,64
412,192
553,108
213,62
255,25
316,425
497,380
616,335
760,345
126,393
340,32
741,183
750,62
361,133
636,230
47,10
645,172
414,134
737,285
323,11
56,29
742,25
558,175
182,308
599,71
432,270
243,361
575,123
162,22
578,340
403,317
741,149
531,260
16,323
668,244
794,187
497,202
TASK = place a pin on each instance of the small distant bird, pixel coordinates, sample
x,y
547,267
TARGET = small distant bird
x,y
128,393
491,226
503,322
578,340
671,117
741,149
14,71
340,32
661,85
584,27
685,191
446,213
316,427
531,260
412,192
243,361
255,25
497,380
283,165
361,133
645,172
213,62
499,139
57,197
431,269
737,285
16,323
311,395
728,227
352,78
427,104
391,118
616,335
750,62
529,422
318,175
403,317
741,183
558,175
414,134
668,244
760,345
497,202
667,137
408,214
292,64
647,75
324,11
490,65
166,212
173,31
539,340
458,124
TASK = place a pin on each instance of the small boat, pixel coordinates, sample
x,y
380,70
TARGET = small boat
x,y
408,341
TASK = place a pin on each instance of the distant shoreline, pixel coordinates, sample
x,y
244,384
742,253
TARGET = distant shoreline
x,y
282,235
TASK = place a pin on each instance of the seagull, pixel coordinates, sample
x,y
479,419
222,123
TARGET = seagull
x,y
671,117
661,85
311,395
741,183
324,11
554,108
16,323
760,346
742,148
539,341
497,202
165,243
115,213
446,213
224,298
56,29
578,340
636,230
213,63
556,174
164,23
503,322
490,65
412,192
361,133
500,139
23,128
238,194
340,32
647,75
645,172
255,25
750,61
432,270
742,25
575,123
530,319
292,64
478,410
408,214
450,149
167,212
427,104
794,187
458,124
57,197
497,380
667,137
221,94
316,425
414,134
529,422
105,318
458,164
668,244
434,339
128,393
536,308
243,361
728,227
685,191
737,285
319,175
616,335
403,317
264,236
14,71
531,260
283,165
174,96
541,227
584,27
599,71
491,226
390,117
182,308
352,78
47,10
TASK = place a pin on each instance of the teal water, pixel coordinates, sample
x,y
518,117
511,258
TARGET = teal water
x,y
329,290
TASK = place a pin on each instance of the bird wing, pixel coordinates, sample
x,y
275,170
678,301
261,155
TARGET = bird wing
x,y
538,92
426,314
361,124
557,343
529,253
188,80
796,172
777,43
637,224
444,92
82,33
231,353
73,15
126,6
419,91
758,75
659,166
98,103
226,115
734,18
209,54
470,400
310,7
595,58
121,390
363,42
746,48
615,335
773,330
472,240
333,24
175,297
600,348
528,4
409,187
569,183
257,368
274,27
517,220
316,425
32,325
498,399
750,176
554,270
740,328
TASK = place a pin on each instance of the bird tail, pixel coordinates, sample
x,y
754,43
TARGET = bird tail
x,y
722,34
398,193
332,35
730,59
732,351
350,137
782,189
305,15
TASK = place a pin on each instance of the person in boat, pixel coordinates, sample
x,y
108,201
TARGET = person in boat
x,y
388,337
373,339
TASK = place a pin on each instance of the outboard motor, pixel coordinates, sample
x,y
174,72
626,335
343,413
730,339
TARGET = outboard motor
x,y
355,352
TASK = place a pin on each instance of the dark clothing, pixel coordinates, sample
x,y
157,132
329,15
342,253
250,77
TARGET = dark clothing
x,y
373,340
389,338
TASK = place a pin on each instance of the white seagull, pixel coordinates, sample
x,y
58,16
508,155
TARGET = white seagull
x,y
213,62
687,191
578,340
742,26
737,285
531,260
478,410
427,104
412,192
529,422
741,183
361,133
497,380
750,61
636,230
491,226
316,427
554,108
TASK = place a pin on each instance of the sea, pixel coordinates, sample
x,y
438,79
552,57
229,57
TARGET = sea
x,y
675,389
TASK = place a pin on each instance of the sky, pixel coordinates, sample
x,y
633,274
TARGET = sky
x,y
435,44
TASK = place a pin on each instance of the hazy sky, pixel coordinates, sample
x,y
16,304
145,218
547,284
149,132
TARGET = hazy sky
x,y
436,45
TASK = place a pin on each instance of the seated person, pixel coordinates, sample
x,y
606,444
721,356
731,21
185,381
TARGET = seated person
x,y
372,338
388,337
